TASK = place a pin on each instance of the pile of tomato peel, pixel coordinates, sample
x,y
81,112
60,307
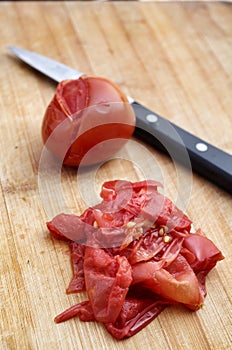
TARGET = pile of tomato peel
x,y
133,254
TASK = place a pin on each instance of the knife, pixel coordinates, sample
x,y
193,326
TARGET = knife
x,y
207,160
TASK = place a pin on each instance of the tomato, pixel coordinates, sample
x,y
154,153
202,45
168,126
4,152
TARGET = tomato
x,y
88,120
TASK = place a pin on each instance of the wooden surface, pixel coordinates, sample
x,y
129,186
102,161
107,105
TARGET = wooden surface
x,y
174,57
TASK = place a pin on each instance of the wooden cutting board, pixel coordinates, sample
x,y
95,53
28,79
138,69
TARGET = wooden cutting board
x,y
174,57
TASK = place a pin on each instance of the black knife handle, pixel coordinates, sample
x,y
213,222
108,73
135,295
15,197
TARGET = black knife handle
x,y
206,160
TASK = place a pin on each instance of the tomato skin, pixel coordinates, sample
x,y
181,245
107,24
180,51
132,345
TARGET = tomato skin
x,y
205,252
107,282
131,275
89,114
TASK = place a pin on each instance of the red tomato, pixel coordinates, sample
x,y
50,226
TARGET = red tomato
x,y
88,120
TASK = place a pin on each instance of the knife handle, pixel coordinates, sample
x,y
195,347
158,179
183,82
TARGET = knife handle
x,y
207,160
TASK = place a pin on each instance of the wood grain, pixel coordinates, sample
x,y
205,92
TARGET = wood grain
x,y
174,57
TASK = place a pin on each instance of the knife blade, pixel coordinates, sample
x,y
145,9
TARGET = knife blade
x,y
206,160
